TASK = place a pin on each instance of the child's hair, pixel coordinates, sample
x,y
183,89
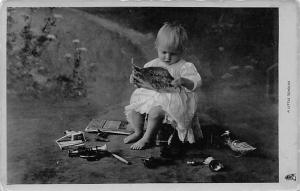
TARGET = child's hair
x,y
173,35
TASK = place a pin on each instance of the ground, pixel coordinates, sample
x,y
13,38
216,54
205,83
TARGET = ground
x,y
34,157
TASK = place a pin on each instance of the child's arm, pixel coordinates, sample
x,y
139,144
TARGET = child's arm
x,y
189,77
189,84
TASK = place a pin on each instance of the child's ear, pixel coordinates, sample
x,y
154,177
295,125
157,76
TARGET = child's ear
x,y
155,45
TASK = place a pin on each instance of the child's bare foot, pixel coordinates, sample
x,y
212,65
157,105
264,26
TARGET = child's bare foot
x,y
133,137
140,144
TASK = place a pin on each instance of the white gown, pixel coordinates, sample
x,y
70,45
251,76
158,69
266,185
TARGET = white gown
x,y
180,107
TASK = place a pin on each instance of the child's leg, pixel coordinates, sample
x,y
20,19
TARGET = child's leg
x,y
137,122
155,118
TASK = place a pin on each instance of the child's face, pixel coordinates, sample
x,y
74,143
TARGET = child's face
x,y
167,54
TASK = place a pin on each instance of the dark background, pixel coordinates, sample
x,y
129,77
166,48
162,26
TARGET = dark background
x,y
242,32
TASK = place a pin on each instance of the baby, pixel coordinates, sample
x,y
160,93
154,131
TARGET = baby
x,y
177,107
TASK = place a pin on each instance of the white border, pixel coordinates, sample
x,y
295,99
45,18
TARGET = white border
x,y
287,129
149,3
3,151
287,72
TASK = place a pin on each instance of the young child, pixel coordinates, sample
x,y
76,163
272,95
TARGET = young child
x,y
178,107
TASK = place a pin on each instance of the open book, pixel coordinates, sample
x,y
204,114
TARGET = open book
x,y
108,126
158,77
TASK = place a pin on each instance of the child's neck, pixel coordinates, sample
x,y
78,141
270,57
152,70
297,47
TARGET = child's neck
x,y
172,63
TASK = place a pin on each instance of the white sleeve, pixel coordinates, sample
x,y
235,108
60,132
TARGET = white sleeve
x,y
189,71
150,63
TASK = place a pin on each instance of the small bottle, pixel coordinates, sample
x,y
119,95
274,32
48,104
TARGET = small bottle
x,y
193,163
208,160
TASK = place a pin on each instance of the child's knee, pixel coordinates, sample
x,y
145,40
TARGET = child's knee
x,y
156,112
134,116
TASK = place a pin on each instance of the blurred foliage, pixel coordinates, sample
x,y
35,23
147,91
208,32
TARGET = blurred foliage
x,y
242,35
29,70
26,47
74,85
41,58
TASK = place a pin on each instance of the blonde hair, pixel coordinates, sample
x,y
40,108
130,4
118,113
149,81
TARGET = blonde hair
x,y
172,35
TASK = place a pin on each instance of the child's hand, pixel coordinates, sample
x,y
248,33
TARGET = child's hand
x,y
131,78
183,82
177,82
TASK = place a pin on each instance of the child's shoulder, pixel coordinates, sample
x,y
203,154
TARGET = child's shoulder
x,y
187,63
183,64
180,64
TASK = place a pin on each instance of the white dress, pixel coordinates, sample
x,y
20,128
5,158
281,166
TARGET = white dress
x,y
179,106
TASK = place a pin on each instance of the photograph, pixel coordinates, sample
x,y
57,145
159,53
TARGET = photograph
x,y
142,94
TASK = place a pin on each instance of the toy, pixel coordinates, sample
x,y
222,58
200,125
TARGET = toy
x,y
71,139
95,153
120,158
213,164
239,147
90,154
116,156
216,165
194,163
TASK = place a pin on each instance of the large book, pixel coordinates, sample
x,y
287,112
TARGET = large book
x,y
159,78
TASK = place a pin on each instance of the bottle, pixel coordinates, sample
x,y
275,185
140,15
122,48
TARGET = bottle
x,y
193,163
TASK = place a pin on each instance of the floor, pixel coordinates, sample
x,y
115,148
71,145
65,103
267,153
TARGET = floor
x,y
34,157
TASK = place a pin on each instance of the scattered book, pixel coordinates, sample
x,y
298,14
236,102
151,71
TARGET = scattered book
x,y
107,126
71,139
